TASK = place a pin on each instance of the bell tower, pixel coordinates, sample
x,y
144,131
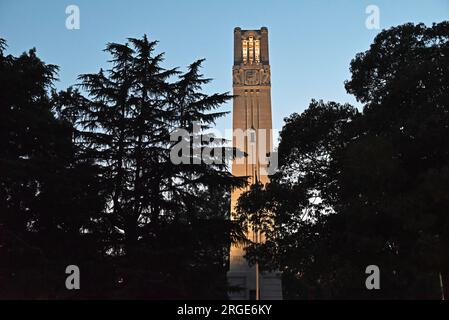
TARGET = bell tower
x,y
252,127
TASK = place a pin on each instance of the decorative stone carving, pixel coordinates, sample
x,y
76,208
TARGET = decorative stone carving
x,y
265,76
237,76
252,77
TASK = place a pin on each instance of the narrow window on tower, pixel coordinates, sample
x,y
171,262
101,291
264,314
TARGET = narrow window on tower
x,y
245,51
251,50
252,136
257,50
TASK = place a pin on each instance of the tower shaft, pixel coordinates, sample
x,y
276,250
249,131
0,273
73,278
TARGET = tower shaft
x,y
252,126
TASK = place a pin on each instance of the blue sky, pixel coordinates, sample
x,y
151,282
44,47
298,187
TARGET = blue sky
x,y
311,41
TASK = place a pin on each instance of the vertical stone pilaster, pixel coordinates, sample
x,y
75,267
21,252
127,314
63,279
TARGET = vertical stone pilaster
x,y
238,46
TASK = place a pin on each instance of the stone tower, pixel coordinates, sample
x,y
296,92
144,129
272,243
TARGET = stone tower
x,y
252,126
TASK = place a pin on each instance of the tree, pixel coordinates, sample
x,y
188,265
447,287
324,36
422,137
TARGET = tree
x,y
404,85
359,189
300,199
155,206
88,179
47,197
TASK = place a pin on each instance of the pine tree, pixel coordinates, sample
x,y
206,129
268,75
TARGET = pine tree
x,y
125,125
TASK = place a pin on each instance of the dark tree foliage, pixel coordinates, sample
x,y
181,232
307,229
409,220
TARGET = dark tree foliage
x,y
48,197
87,179
368,189
403,153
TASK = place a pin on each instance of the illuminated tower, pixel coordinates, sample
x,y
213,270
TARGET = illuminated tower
x,y
252,116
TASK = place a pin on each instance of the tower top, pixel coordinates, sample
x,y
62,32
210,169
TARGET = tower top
x,y
251,46
262,29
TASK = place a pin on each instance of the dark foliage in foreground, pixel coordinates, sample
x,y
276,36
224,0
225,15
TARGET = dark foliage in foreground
x,y
356,189
86,179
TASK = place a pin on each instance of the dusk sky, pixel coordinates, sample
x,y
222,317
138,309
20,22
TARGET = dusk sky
x,y
311,42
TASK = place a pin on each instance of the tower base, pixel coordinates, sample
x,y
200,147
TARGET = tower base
x,y
270,285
